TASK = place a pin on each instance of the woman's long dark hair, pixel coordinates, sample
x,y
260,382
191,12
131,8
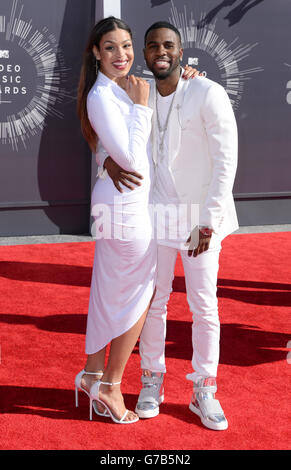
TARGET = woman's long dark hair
x,y
88,73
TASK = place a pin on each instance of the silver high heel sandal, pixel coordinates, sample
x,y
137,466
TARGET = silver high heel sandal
x,y
79,387
94,395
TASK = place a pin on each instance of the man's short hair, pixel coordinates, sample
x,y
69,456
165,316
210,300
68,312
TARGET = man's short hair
x,y
162,24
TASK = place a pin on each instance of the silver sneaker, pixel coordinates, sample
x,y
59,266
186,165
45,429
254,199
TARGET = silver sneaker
x,y
151,395
204,405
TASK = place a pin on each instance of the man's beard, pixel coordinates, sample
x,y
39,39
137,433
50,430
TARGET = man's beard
x,y
163,74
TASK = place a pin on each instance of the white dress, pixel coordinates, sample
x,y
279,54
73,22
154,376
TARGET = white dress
x,y
124,270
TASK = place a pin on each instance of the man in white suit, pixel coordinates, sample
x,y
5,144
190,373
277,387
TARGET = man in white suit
x,y
194,148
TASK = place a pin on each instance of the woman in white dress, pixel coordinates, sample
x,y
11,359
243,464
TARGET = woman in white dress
x,y
115,118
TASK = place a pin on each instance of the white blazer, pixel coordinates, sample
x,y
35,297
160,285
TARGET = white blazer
x,y
202,150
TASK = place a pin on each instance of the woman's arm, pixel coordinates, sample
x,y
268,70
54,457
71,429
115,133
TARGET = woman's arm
x,y
125,144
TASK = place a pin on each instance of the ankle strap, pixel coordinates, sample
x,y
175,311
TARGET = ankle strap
x,y
110,383
92,373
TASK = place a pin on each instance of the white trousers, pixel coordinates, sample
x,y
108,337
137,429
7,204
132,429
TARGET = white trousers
x,y
201,287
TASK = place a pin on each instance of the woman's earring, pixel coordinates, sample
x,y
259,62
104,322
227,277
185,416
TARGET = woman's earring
x,y
96,67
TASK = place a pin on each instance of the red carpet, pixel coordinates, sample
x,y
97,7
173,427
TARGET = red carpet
x,y
44,298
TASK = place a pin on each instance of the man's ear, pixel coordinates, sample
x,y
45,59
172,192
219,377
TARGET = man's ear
x,y
96,52
181,53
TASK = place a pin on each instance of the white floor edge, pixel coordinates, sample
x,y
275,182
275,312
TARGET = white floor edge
x,y
38,239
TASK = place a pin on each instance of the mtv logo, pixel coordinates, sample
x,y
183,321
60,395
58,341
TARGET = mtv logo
x,y
4,54
193,61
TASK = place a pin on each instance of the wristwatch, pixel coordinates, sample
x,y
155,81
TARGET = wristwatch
x,y
206,231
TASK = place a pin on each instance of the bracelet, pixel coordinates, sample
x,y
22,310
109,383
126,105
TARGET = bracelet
x,y
206,231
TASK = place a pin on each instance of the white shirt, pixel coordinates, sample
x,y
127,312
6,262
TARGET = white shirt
x,y
168,221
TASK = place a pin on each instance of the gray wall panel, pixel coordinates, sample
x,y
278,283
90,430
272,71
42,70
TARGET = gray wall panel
x,y
47,173
245,46
271,211
48,161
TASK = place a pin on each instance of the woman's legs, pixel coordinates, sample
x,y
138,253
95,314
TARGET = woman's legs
x,y
95,363
120,351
